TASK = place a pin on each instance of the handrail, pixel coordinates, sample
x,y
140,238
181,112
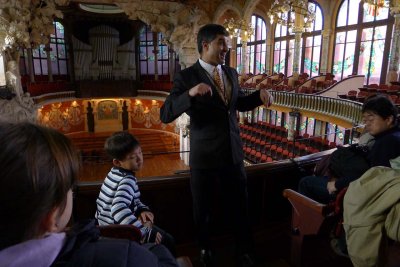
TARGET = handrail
x,y
342,109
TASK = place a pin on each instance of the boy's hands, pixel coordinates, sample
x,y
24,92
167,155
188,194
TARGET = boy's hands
x,y
146,216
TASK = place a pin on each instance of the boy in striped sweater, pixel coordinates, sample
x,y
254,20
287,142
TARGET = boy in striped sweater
x,y
119,197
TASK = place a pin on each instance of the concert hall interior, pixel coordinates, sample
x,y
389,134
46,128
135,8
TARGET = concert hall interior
x,y
88,68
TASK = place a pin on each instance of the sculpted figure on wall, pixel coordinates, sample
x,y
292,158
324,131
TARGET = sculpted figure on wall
x,y
178,23
13,79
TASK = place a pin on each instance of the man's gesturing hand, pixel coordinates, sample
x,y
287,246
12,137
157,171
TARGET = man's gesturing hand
x,y
200,89
266,97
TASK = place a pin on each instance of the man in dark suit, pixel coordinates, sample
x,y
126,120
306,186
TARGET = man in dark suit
x,y
210,94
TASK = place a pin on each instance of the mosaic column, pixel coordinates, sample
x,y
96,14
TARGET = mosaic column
x,y
297,51
326,36
245,58
232,53
155,52
268,54
395,50
183,122
49,68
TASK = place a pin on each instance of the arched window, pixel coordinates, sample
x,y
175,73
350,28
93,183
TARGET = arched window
x,y
311,51
147,64
58,55
363,37
58,51
310,46
283,50
256,48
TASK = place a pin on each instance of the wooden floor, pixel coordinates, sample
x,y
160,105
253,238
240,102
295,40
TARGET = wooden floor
x,y
160,150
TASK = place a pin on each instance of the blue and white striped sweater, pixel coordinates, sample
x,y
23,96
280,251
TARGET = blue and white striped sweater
x,y
119,200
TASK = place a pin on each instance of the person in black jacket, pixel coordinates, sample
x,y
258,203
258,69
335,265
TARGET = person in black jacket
x,y
38,168
209,93
380,116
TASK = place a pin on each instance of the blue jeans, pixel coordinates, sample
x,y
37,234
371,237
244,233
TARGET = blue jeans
x,y
315,187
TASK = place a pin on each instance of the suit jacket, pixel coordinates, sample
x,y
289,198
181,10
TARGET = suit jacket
x,y
214,132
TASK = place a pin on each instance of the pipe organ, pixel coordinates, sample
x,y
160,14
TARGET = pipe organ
x,y
104,58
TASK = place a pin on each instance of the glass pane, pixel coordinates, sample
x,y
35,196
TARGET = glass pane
x,y
349,59
143,54
36,66
59,30
44,66
251,59
368,13
54,67
340,37
353,12
363,62
278,30
351,36
307,59
53,52
315,61
317,40
63,67
338,61
318,19
264,31
35,52
376,61
382,13
61,51
367,34
143,67
380,33
342,15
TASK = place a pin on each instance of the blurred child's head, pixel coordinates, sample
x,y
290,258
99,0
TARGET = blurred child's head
x,y
38,167
125,151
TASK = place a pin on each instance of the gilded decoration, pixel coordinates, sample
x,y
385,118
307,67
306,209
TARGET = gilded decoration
x,y
107,110
62,116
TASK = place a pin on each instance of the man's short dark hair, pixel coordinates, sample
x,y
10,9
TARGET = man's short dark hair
x,y
382,106
120,144
209,32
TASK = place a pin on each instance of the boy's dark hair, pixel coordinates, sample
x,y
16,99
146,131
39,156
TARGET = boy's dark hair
x,y
38,166
119,144
209,32
382,106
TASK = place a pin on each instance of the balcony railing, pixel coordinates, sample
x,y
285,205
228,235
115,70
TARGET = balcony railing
x,y
342,109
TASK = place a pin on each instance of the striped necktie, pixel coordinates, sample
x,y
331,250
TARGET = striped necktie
x,y
220,85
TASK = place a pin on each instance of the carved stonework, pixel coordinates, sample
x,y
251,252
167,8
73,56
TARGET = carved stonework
x,y
15,111
178,23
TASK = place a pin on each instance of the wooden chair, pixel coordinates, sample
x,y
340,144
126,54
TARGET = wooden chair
x,y
132,233
312,223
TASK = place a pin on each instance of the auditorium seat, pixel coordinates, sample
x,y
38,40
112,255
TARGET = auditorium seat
x,y
311,225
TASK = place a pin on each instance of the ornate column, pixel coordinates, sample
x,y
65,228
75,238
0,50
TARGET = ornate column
x,y
326,36
293,116
297,52
394,58
171,63
233,51
269,50
155,52
30,65
49,68
245,58
183,122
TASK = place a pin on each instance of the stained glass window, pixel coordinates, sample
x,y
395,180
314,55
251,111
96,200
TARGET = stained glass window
x,y
362,34
256,48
